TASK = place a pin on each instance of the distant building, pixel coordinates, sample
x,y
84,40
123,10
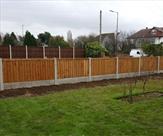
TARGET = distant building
x,y
107,39
150,35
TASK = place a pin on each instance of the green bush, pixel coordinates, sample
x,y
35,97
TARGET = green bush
x,y
153,49
94,49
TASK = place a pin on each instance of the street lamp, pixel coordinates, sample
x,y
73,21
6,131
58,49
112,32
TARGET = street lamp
x,y
116,41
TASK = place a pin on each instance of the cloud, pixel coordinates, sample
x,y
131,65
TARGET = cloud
x,y
81,17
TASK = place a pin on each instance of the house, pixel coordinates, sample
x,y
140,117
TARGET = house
x,y
150,35
107,40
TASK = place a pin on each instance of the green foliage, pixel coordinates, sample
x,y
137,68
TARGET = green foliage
x,y
21,40
29,39
44,37
94,49
110,49
58,41
7,39
81,41
126,48
153,49
14,40
10,39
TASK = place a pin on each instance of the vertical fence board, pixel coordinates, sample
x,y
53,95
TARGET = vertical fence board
x,y
161,63
68,68
128,65
103,66
28,70
4,52
149,64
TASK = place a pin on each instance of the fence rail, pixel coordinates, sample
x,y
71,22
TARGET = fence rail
x,y
40,52
17,71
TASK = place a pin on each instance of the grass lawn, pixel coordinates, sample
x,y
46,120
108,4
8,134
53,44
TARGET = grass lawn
x,y
83,112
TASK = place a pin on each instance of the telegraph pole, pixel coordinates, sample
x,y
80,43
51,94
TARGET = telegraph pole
x,y
100,26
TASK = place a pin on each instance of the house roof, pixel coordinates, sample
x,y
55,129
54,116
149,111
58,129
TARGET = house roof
x,y
148,33
109,35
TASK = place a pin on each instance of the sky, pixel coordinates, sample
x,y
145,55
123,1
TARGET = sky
x,y
81,17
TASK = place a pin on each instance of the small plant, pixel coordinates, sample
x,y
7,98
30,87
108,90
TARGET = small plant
x,y
144,81
124,90
130,91
94,49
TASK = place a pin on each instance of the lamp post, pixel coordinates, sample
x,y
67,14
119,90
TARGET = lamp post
x,y
116,41
100,30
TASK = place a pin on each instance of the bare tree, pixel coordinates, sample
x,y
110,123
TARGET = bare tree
x,y
124,44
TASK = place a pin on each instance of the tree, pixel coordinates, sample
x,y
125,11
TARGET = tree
x,y
44,37
81,41
14,40
20,40
109,45
57,41
7,39
94,49
69,38
124,44
29,39
153,49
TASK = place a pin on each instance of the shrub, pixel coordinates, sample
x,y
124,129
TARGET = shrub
x,y
94,49
153,49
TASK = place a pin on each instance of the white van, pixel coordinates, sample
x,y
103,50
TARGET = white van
x,y
137,53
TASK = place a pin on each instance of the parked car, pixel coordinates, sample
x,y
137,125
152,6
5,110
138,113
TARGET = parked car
x,y
137,53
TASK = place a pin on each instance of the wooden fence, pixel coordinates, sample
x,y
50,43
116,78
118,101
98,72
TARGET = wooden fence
x,y
40,52
28,70
24,70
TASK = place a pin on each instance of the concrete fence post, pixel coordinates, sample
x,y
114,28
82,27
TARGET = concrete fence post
x,y
26,52
73,53
139,66
10,51
43,51
55,71
59,49
90,69
158,65
117,67
1,75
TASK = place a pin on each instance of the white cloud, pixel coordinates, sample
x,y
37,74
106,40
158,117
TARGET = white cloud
x,y
81,17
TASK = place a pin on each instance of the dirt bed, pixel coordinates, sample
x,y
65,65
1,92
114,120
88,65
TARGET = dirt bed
x,y
142,96
56,88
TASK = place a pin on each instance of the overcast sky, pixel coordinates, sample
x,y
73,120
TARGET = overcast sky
x,y
81,17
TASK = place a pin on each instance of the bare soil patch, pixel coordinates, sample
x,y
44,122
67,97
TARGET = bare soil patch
x,y
142,96
57,88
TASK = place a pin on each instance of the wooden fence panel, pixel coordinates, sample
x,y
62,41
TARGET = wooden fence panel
x,y
68,68
51,52
79,52
35,52
66,52
4,52
18,52
128,65
103,66
19,70
161,63
149,64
